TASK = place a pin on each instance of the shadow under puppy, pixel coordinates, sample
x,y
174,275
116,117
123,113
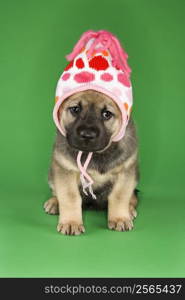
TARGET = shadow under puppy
x,y
95,132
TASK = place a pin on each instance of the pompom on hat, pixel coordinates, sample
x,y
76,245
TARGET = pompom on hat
x,y
97,62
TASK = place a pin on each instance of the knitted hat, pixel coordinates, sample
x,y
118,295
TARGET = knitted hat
x,y
98,62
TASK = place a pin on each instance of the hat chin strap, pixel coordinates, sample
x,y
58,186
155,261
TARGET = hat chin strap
x,y
86,180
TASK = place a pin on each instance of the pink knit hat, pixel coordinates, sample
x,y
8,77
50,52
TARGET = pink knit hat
x,y
98,62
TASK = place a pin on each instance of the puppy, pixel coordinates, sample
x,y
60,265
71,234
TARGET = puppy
x,y
91,120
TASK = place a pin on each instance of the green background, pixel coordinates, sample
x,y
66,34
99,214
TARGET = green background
x,y
35,37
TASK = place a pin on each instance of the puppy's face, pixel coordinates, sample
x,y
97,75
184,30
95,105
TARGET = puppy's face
x,y
90,119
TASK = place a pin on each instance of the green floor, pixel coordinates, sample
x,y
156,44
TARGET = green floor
x,y
32,247
35,37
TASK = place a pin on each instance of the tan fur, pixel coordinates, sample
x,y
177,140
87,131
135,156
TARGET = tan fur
x,y
51,206
119,216
69,200
65,162
130,161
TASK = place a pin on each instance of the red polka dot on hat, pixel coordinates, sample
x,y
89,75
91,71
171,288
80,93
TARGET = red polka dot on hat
x,y
98,63
79,63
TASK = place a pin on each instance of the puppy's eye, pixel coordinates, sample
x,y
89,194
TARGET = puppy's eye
x,y
106,114
75,110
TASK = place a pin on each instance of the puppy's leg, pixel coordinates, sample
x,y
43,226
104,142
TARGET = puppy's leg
x,y
119,202
70,202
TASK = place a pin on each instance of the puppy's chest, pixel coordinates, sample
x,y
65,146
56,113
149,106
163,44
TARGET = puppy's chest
x,y
102,187
98,178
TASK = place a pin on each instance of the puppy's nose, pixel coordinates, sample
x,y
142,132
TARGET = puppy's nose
x,y
88,133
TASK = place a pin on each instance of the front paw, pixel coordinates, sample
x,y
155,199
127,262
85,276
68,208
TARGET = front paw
x,y
120,224
51,206
71,228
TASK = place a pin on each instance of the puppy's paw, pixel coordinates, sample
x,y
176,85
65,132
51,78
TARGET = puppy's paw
x,y
133,212
71,228
51,206
120,224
